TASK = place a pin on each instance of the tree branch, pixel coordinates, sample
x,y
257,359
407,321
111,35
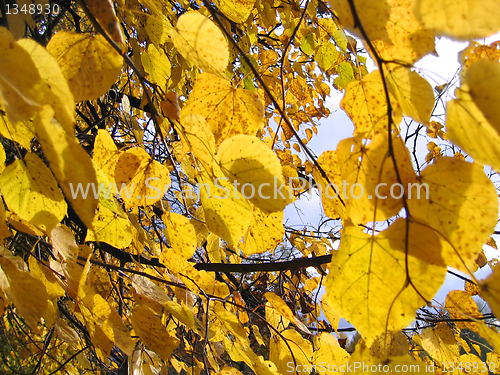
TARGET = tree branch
x,y
265,267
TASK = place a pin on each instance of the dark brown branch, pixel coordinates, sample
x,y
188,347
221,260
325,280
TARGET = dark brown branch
x,y
265,267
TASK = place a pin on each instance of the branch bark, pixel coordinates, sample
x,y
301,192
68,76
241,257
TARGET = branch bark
x,y
265,267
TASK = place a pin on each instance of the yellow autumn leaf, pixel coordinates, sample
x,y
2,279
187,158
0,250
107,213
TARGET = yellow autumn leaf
x,y
412,92
201,42
181,234
104,324
255,170
228,111
439,342
365,103
158,28
389,344
298,352
4,229
374,16
88,62
42,272
104,12
460,305
105,153
181,312
143,180
330,314
28,294
236,10
157,65
373,191
231,325
473,121
57,92
112,227
408,40
483,79
196,280
70,164
30,190
460,197
22,91
66,253
329,355
468,128
266,231
330,200
152,332
281,308
227,213
367,283
2,158
23,132
197,136
460,19
490,291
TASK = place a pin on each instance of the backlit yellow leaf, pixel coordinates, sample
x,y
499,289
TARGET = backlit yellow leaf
x,y
467,127
483,80
4,229
201,42
152,332
181,234
104,12
69,162
158,29
227,213
490,291
374,17
231,325
26,293
461,19
332,206
103,322
30,190
365,103
23,132
42,272
144,180
57,92
198,137
284,310
372,190
228,111
298,351
367,283
266,231
460,197
88,62
413,93
21,88
114,228
236,10
329,354
181,312
157,65
440,343
105,153
409,41
460,305
255,170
